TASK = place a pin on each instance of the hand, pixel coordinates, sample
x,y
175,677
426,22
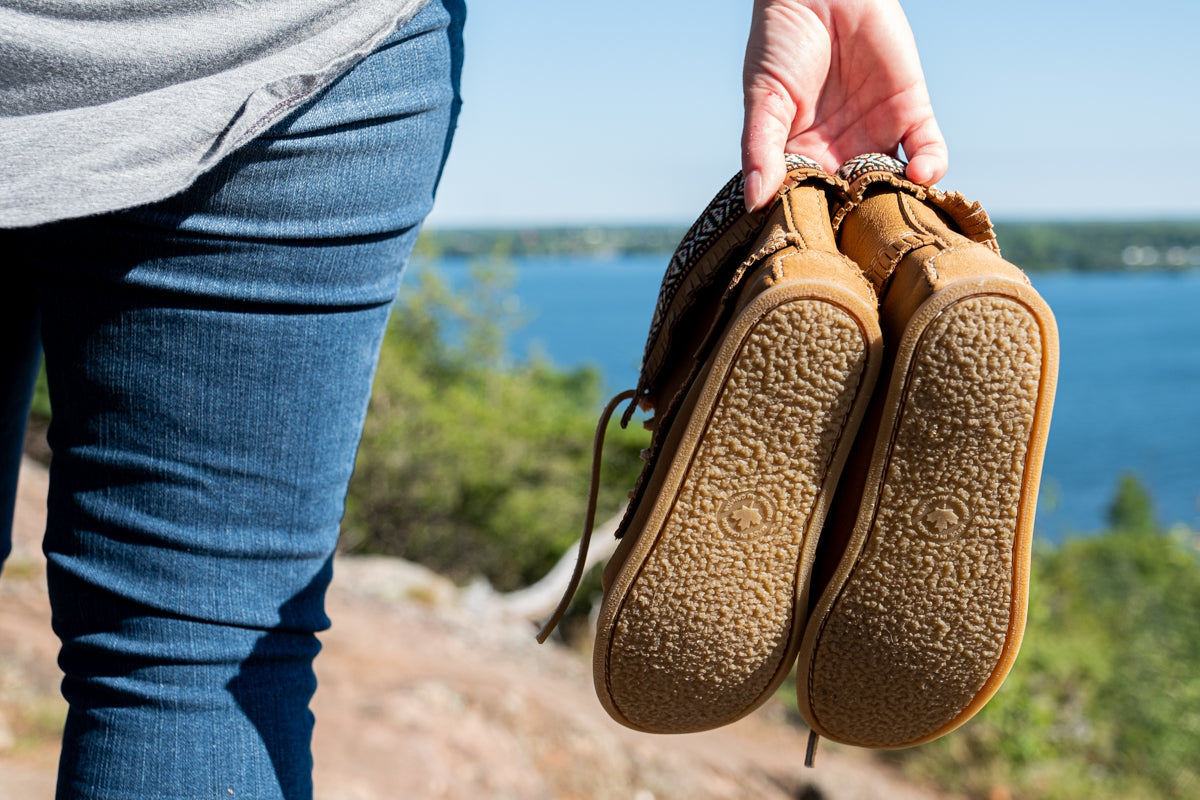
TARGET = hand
x,y
831,79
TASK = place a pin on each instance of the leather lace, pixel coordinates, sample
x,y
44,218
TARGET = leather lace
x,y
590,517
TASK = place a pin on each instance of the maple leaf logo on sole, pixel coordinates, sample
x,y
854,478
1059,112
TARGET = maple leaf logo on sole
x,y
941,519
745,514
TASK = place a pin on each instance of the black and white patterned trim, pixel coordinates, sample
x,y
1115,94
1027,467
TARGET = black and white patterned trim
x,y
867,163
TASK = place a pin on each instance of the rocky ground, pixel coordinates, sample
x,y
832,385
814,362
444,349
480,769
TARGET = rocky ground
x,y
428,691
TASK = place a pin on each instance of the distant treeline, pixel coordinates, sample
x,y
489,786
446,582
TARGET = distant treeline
x,y
476,242
1101,246
1035,246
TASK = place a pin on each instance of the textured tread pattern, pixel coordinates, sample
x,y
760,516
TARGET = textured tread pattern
x,y
924,618
709,623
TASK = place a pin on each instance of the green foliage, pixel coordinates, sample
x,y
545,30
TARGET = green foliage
x,y
40,407
1131,508
1104,701
471,465
1100,246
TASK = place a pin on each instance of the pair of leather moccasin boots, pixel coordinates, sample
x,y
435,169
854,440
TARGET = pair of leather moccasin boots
x,y
852,393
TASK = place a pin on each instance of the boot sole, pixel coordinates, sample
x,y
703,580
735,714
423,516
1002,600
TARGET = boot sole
x,y
924,615
703,620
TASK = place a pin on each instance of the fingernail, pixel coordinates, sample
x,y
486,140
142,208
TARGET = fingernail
x,y
919,172
752,190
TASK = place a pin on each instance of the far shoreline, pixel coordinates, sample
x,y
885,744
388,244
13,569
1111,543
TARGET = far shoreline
x,y
1036,246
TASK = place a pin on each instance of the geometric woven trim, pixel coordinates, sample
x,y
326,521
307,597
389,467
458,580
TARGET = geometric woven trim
x,y
858,166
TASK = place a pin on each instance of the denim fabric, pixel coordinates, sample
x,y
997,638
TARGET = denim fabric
x,y
210,360
20,355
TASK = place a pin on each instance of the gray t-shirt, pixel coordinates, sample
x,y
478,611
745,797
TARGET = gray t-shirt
x,y
109,104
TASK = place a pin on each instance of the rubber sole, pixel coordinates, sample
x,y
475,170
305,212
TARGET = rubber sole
x,y
924,615
702,622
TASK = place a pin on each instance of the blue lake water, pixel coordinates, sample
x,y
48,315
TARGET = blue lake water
x,y
1128,392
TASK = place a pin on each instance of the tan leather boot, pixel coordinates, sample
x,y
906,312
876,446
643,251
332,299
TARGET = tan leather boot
x,y
922,575
760,364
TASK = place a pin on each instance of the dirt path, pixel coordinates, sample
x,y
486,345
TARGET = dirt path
x,y
427,691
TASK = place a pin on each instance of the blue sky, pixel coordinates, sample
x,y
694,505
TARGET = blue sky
x,y
629,111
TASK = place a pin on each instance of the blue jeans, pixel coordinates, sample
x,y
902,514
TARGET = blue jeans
x,y
210,360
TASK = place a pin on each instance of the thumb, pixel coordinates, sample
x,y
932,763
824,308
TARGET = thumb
x,y
928,157
787,61
765,131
